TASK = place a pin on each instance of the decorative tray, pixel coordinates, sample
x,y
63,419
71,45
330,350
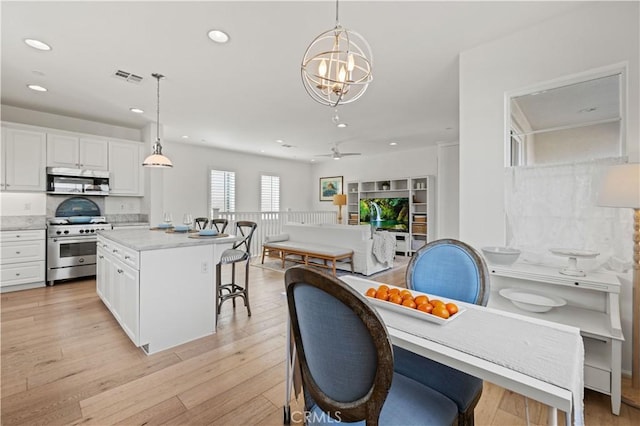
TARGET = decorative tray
x,y
415,313
196,235
180,231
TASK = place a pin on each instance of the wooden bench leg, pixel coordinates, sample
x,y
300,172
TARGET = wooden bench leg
x,y
334,265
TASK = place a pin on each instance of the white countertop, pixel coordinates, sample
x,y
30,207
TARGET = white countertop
x,y
145,239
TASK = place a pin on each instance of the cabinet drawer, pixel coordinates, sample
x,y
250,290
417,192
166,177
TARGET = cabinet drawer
x,y
28,235
22,251
597,379
125,255
21,273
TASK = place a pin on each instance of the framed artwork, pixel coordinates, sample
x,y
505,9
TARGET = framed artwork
x,y
330,186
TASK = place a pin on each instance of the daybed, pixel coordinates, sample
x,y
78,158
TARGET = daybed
x,y
334,240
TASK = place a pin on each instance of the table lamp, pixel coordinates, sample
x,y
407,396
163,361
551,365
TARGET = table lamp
x,y
621,188
340,200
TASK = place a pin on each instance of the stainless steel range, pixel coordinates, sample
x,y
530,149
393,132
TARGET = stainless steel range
x,y
71,239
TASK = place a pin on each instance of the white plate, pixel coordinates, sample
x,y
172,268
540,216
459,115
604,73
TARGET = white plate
x,y
574,252
532,301
414,312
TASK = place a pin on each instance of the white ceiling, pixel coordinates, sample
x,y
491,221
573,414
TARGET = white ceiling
x,y
248,93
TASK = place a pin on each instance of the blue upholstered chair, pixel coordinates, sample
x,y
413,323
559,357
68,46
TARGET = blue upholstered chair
x,y
346,359
240,252
453,270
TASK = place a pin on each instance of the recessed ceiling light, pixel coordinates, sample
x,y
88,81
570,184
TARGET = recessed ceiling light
x,y
262,150
185,136
279,141
218,36
342,125
313,160
393,143
136,110
37,44
37,88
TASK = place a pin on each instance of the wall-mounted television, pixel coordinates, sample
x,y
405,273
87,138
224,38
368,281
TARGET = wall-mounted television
x,y
391,214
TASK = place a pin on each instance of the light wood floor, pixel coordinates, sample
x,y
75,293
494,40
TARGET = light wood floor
x,y
65,360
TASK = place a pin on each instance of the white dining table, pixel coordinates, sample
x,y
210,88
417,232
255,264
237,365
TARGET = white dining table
x,y
513,357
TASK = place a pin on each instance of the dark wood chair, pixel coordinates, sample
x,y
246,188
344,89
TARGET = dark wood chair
x,y
219,224
201,222
451,269
240,252
346,359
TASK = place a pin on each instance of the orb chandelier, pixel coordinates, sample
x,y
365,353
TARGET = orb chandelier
x,y
336,67
156,159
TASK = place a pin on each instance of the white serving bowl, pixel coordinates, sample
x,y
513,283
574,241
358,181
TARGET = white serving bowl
x,y
532,301
501,255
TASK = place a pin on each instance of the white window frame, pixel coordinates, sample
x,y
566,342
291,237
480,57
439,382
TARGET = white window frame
x,y
269,183
226,203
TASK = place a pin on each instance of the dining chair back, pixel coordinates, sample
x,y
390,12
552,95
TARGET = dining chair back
x,y
346,359
201,222
240,252
450,269
219,224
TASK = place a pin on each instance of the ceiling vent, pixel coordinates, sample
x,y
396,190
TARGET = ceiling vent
x,y
127,76
286,145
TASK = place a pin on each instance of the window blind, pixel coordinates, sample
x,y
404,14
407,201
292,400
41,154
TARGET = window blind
x,y
269,193
223,190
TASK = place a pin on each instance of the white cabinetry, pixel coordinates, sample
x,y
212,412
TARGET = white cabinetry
x,y
118,285
23,160
419,191
69,150
125,164
22,259
593,306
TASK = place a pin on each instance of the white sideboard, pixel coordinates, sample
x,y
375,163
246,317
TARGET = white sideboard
x,y
593,305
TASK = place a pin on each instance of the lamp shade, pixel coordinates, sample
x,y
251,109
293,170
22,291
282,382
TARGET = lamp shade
x,y
157,160
339,199
621,186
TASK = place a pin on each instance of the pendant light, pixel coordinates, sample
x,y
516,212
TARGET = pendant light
x,y
336,67
156,159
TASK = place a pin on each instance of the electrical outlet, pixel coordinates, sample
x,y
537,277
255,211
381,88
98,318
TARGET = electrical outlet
x,y
27,206
204,267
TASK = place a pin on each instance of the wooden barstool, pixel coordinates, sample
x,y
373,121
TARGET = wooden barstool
x,y
240,252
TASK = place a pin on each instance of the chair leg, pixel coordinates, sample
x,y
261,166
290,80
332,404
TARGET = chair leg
x,y
218,301
246,287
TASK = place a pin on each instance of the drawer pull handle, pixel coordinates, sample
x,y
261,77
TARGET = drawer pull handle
x,y
120,271
127,257
18,236
17,252
101,257
17,274
115,250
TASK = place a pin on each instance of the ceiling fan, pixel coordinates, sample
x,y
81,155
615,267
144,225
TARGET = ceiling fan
x,y
336,154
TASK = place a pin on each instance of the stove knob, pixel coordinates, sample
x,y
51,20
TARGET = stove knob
x,y
82,231
58,232
66,231
93,230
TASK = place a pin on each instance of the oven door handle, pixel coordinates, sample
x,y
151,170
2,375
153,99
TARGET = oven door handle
x,y
74,240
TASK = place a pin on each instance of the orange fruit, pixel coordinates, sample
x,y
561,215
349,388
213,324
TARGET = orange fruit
x,y
383,287
440,311
452,308
409,303
395,298
382,295
421,299
371,292
425,307
394,290
436,302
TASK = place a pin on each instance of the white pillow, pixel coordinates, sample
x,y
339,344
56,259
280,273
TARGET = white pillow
x,y
276,238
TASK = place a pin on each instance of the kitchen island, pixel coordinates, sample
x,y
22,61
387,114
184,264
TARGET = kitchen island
x,y
159,286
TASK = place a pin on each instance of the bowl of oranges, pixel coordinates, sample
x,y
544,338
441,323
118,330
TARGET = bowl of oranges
x,y
416,304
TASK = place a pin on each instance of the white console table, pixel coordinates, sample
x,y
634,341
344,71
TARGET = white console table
x,y
593,306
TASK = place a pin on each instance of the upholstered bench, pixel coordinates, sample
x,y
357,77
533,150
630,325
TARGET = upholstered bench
x,y
309,254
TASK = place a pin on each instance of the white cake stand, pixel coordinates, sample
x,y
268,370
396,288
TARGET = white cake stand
x,y
573,255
